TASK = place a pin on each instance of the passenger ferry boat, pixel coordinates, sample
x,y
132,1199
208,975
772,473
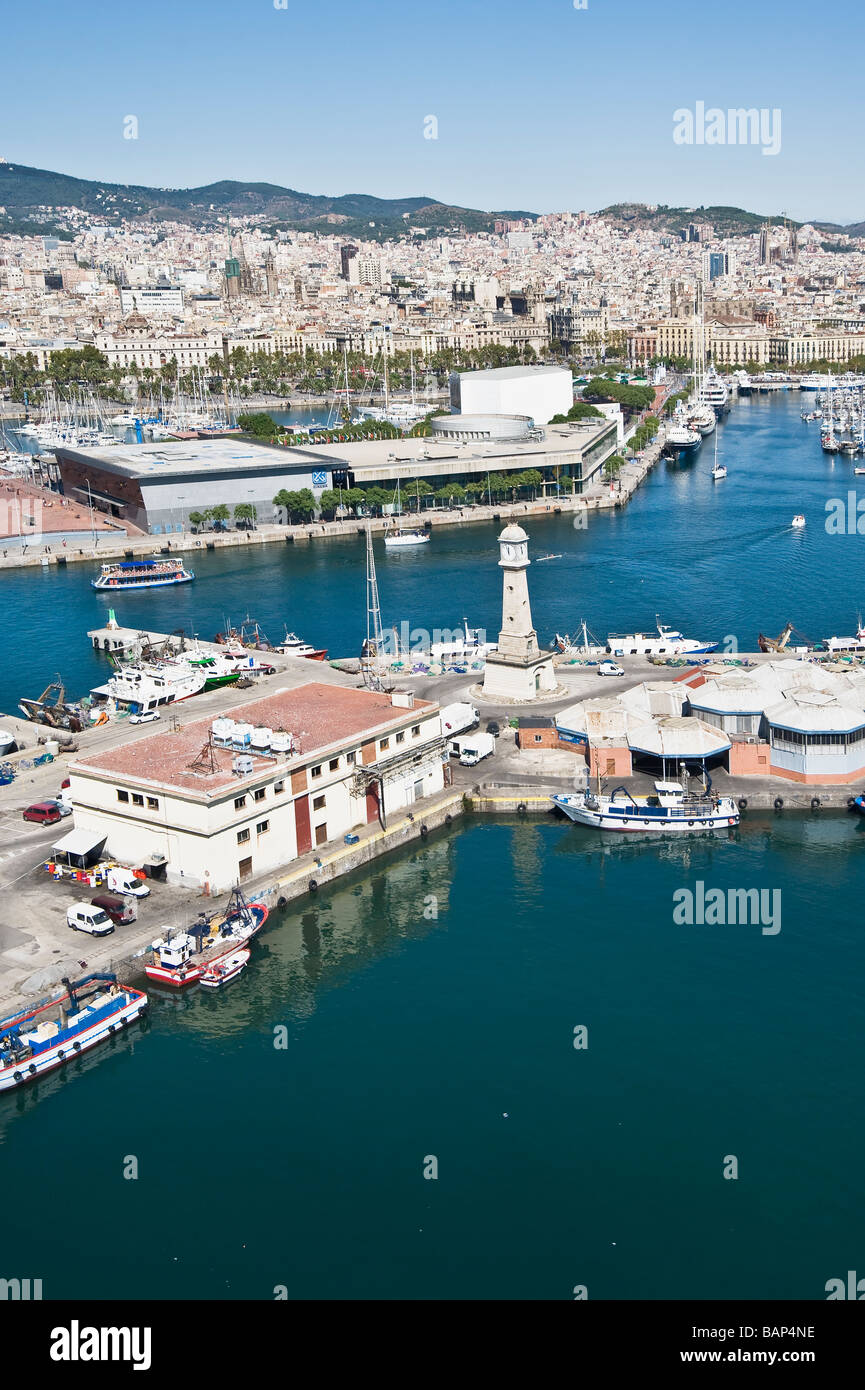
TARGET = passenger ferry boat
x,y
670,809
54,1031
143,688
142,574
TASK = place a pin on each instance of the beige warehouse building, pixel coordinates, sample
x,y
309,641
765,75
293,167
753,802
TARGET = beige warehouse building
x,y
212,815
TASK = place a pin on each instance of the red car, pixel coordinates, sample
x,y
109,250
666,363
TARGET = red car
x,y
43,813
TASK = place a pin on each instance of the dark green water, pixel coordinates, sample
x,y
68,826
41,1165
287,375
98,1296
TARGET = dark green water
x,y
718,560
409,1037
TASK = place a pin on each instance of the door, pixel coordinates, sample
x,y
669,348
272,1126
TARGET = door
x,y
321,834
245,867
372,803
301,825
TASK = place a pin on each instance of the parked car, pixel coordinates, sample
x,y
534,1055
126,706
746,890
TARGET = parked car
x,y
86,917
64,784
120,910
494,727
147,717
63,807
43,813
609,668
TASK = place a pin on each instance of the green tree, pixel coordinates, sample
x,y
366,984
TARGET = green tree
x,y
219,513
245,511
258,423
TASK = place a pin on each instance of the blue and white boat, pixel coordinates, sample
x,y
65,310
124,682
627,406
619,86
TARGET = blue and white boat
x,y
36,1040
142,574
670,809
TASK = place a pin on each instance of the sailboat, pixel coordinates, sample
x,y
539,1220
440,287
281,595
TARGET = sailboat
x,y
719,471
399,539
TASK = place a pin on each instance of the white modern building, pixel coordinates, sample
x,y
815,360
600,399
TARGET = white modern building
x,y
539,392
201,803
159,301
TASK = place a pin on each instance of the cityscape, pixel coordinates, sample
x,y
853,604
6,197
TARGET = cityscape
x,y
437,693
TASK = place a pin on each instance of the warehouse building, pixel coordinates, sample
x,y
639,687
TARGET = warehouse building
x,y
219,801
156,486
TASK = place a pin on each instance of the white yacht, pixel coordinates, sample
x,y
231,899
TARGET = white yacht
x,y
139,689
403,538
701,417
714,393
668,642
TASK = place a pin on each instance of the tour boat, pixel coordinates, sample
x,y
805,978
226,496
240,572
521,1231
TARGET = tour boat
x,y
670,809
798,520
37,1039
292,645
225,969
142,574
398,538
669,642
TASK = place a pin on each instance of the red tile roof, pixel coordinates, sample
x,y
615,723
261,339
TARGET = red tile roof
x,y
320,716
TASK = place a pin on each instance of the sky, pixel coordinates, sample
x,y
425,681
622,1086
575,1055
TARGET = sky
x,y
538,106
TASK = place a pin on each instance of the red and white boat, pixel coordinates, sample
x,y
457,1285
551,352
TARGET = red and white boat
x,y
225,968
184,958
292,645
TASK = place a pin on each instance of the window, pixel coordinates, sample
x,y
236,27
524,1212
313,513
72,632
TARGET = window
x,y
260,793
239,803
242,837
318,803
262,827
415,731
152,803
122,796
351,758
539,738
137,800
385,743
333,764
316,771
400,738
320,834
278,787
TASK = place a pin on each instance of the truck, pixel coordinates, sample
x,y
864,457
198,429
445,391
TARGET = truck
x,y
472,748
457,718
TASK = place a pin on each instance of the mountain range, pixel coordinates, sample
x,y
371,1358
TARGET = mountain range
x,y
33,200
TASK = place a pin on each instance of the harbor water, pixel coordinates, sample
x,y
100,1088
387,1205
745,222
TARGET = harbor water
x,y
428,1011
718,560
419,1017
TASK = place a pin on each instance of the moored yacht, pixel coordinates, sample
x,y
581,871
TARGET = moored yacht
x,y
671,808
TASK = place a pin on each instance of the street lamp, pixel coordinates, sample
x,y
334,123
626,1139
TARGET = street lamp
x,y
92,522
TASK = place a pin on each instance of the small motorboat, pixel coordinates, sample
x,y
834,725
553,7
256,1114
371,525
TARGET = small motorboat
x,y
540,559
225,968
859,470
798,520
398,539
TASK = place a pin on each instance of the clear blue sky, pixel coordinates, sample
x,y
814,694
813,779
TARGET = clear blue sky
x,y
539,106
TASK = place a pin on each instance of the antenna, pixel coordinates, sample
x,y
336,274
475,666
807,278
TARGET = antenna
x,y
205,761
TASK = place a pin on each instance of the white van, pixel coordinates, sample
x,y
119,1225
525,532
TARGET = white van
x,y
86,917
120,880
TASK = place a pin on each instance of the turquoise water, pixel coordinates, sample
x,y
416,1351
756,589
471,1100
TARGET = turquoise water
x,y
409,1037
718,560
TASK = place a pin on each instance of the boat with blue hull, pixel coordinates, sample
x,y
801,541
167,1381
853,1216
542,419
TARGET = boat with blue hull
x,y
45,1036
142,574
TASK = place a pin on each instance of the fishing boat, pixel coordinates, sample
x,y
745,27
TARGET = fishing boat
x,y
669,642
292,645
142,574
226,968
671,808
798,521
46,1035
182,958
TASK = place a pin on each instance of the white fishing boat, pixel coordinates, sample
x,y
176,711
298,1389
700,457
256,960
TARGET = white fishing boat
x,y
292,645
671,808
798,521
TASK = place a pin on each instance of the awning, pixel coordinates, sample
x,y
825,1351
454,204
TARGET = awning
x,y
79,842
